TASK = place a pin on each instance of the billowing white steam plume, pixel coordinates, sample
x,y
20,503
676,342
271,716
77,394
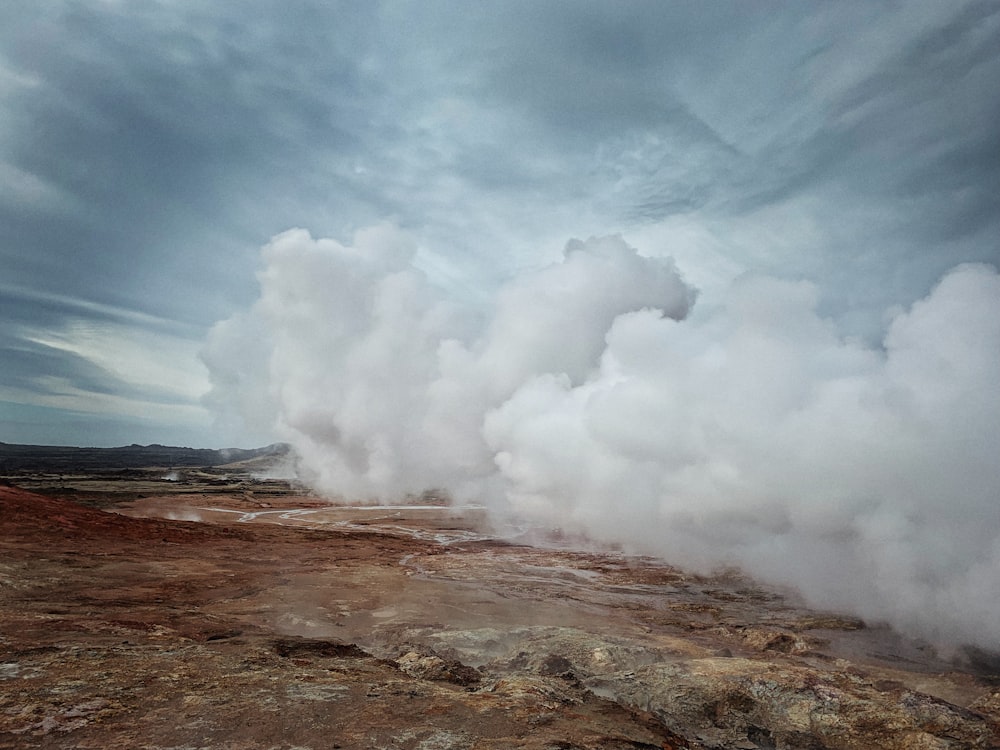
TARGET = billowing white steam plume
x,y
753,436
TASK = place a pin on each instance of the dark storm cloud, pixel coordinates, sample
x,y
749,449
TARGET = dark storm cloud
x,y
922,126
147,119
142,141
724,115
147,149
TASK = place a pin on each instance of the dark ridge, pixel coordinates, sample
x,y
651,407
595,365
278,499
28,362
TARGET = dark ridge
x,y
65,458
294,646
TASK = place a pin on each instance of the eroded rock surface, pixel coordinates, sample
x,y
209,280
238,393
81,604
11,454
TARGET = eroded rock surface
x,y
279,623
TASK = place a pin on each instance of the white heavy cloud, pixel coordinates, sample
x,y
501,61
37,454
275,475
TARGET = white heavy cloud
x,y
406,374
760,438
585,396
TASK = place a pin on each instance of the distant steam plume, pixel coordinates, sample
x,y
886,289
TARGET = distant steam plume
x,y
754,435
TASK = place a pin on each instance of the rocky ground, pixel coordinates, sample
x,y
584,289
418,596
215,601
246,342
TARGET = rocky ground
x,y
200,608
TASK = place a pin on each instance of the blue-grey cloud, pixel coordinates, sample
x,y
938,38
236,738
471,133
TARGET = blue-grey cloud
x,y
147,150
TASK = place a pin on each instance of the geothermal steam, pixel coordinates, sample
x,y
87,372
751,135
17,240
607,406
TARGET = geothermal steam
x,y
586,398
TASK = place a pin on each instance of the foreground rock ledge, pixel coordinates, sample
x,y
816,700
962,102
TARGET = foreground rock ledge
x,y
408,631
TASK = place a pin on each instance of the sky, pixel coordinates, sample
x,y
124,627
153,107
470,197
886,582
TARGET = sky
x,y
716,282
148,150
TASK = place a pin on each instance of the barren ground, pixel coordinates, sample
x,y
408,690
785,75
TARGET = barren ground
x,y
217,611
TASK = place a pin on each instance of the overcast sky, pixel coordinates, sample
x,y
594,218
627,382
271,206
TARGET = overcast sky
x,y
148,150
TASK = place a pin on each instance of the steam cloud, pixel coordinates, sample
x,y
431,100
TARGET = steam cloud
x,y
753,435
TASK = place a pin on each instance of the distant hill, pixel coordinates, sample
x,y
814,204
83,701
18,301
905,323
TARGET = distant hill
x,y
63,458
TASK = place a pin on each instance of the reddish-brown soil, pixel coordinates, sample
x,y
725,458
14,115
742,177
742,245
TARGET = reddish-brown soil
x,y
280,623
133,632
